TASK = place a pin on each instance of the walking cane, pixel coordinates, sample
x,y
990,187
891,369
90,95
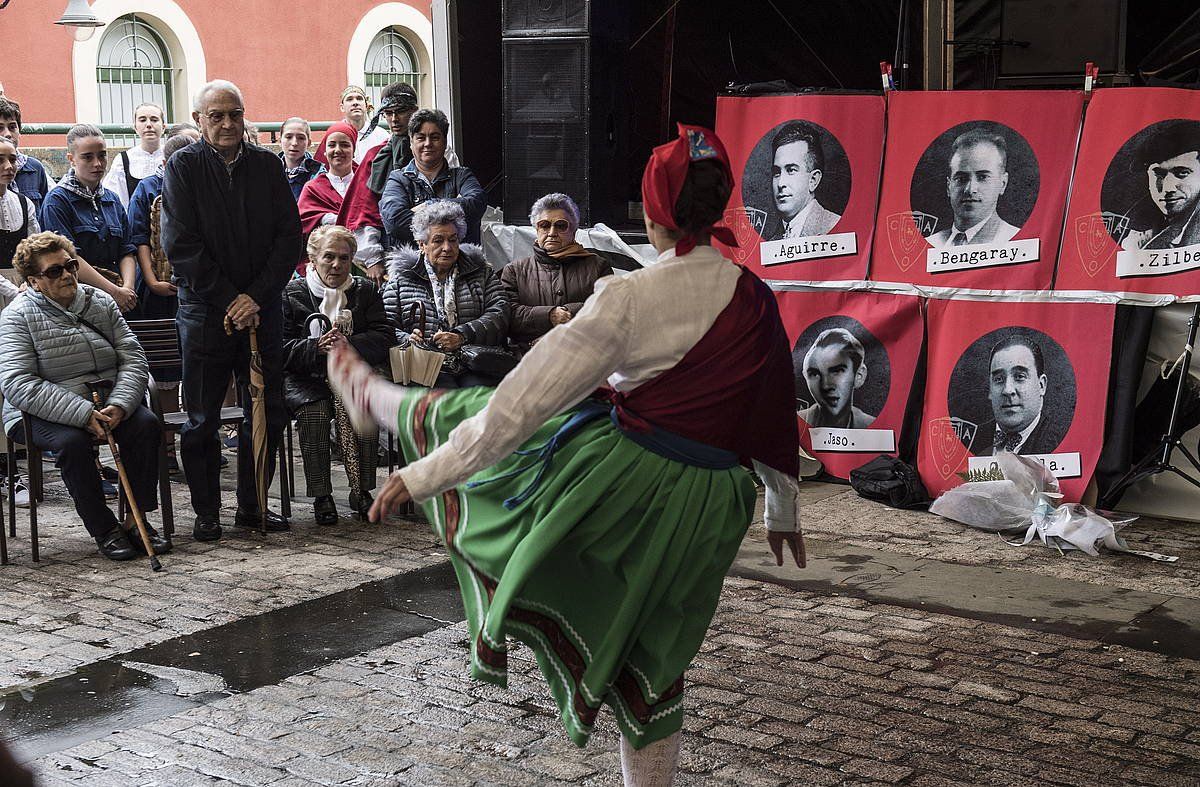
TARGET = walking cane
x,y
130,500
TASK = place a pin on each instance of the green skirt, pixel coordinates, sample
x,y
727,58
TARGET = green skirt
x,y
610,571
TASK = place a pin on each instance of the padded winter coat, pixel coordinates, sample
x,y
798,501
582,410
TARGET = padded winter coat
x,y
48,356
536,285
304,369
482,308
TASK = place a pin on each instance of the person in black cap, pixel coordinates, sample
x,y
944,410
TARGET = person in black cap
x,y
1170,161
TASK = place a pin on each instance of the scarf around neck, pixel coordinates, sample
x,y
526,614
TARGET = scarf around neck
x,y
331,301
573,249
74,185
444,299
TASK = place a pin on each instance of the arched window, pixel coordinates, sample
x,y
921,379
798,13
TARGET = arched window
x,y
390,58
133,68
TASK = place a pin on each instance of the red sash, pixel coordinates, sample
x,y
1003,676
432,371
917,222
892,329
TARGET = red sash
x,y
734,390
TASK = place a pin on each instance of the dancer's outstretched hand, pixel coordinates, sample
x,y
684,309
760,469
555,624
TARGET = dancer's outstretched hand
x,y
795,541
393,495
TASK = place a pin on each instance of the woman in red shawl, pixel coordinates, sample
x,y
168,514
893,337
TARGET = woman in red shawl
x,y
321,198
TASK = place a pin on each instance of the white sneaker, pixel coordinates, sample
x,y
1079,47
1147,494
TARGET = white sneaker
x,y
20,492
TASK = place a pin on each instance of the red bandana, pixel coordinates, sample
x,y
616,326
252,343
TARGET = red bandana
x,y
665,173
343,127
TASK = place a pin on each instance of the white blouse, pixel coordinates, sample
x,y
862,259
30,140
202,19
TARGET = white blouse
x,y
141,165
632,329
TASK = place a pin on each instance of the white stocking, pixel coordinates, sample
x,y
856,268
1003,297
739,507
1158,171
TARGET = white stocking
x,y
384,400
652,766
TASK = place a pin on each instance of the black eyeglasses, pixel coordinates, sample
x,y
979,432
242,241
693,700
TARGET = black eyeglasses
x,y
56,271
217,118
559,226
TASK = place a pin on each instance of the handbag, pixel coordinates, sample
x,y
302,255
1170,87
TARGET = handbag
x,y
886,479
488,360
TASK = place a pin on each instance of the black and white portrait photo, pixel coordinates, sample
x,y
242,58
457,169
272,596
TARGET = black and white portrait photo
x,y
798,176
980,179
1016,391
842,374
1152,187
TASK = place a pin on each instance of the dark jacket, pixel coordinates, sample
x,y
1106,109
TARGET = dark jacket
x,y
31,181
229,232
1040,441
482,309
99,229
406,189
304,371
309,169
535,285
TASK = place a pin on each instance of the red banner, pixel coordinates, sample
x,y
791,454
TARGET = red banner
x,y
806,172
1025,377
855,356
974,187
1134,221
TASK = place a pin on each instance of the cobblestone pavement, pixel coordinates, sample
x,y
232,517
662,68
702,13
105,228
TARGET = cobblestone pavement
x,y
792,686
836,513
789,688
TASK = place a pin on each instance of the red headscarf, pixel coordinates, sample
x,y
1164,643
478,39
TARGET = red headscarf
x,y
343,127
666,171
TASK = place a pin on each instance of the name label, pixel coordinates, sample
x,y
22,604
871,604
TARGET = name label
x,y
777,252
1059,465
1157,262
852,440
982,255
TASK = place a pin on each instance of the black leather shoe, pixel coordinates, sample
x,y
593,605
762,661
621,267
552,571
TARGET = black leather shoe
x,y
207,528
114,546
360,504
160,544
326,510
252,520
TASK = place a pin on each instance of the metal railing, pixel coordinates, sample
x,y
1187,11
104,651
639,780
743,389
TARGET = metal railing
x,y
111,129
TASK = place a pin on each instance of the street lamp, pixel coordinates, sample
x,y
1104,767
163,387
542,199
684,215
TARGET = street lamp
x,y
80,19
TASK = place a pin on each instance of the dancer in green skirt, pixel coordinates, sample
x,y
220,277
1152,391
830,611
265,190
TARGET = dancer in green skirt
x,y
593,502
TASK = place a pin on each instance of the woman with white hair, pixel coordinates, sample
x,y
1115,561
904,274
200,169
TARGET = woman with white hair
x,y
445,295
353,312
549,287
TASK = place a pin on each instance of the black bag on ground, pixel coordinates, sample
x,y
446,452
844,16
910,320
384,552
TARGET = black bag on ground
x,y
888,480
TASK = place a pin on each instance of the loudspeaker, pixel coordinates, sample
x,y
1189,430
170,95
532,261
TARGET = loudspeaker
x,y
1062,36
562,77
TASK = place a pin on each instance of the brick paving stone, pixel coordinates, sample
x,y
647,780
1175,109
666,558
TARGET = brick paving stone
x,y
791,686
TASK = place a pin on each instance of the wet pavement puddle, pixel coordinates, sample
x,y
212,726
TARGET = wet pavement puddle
x,y
160,680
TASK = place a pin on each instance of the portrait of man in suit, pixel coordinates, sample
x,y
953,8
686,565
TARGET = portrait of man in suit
x,y
834,368
1171,163
1017,385
797,168
978,177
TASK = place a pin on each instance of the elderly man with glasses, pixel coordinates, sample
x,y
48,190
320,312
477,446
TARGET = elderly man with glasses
x,y
58,342
231,230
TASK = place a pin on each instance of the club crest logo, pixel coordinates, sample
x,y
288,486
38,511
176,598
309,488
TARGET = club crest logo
x,y
747,224
948,441
906,235
1094,235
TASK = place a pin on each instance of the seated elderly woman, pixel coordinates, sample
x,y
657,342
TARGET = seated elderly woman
x,y
452,286
550,287
354,310
56,342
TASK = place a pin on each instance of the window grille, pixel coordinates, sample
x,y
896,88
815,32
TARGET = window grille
x,y
134,67
390,58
